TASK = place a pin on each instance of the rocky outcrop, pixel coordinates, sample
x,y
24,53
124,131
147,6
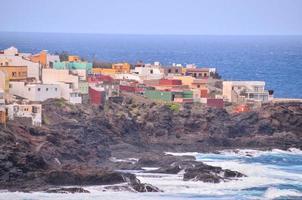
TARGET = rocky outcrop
x,y
80,138
207,173
71,190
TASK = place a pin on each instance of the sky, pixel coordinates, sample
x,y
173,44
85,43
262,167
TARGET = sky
x,y
180,17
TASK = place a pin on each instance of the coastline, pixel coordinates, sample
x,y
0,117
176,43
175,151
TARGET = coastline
x,y
120,133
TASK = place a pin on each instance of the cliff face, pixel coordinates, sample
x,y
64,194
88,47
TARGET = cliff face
x,y
83,135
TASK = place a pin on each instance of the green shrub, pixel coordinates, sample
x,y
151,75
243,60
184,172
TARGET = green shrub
x,y
174,107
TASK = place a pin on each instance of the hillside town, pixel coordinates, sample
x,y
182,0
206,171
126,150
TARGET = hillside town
x,y
26,80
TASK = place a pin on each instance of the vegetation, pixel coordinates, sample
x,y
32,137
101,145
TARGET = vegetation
x,y
174,106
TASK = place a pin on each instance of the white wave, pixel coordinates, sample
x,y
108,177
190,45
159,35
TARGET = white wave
x,y
255,153
182,154
272,193
86,196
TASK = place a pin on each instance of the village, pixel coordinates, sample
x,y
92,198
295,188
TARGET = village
x,y
26,80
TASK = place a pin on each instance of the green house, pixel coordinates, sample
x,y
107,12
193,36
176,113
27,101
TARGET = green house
x,y
167,96
73,65
157,95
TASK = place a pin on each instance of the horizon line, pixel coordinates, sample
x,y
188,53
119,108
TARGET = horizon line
x,y
148,34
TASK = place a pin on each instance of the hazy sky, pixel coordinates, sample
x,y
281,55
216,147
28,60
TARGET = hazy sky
x,y
153,16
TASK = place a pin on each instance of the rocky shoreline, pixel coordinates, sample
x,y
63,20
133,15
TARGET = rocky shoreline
x,y
85,145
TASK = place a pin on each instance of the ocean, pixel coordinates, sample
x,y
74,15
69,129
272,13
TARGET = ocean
x,y
271,175
274,59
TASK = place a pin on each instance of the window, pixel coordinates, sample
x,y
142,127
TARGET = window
x,y
14,74
176,70
10,86
198,86
169,70
28,89
46,89
35,109
56,89
39,89
151,71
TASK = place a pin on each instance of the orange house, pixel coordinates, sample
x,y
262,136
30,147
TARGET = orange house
x,y
15,72
121,67
40,58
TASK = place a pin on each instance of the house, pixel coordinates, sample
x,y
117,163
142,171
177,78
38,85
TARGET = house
x,y
68,82
40,58
198,72
128,76
74,65
172,70
11,51
44,59
10,59
4,81
243,91
116,68
215,103
97,95
34,91
73,58
83,87
169,96
33,111
112,89
121,67
105,71
149,71
15,73
96,78
3,117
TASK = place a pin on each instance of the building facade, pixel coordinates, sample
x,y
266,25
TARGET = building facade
x,y
34,91
244,91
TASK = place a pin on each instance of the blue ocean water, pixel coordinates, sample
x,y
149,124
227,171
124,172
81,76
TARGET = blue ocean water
x,y
271,175
274,59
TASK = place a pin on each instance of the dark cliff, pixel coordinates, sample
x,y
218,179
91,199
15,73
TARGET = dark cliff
x,y
84,136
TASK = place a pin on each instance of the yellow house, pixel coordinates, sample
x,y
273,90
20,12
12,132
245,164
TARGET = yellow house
x,y
186,80
15,72
106,71
74,59
121,67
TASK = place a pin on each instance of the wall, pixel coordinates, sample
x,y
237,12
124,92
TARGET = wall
x,y
33,69
35,92
33,111
40,58
74,58
96,97
106,71
159,95
15,72
83,87
121,67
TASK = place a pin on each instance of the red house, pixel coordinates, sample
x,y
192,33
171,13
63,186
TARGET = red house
x,y
96,96
215,103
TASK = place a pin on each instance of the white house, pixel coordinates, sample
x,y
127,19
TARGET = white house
x,y
34,91
243,91
12,51
33,111
149,71
69,83
126,76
